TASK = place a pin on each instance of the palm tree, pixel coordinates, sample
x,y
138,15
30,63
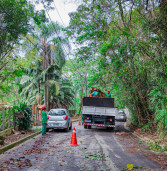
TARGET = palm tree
x,y
61,94
65,96
49,70
35,78
53,51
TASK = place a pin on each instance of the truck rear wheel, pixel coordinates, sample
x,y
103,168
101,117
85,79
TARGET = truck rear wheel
x,y
89,127
85,126
110,128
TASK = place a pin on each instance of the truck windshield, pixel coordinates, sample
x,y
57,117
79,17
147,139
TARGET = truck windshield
x,y
57,112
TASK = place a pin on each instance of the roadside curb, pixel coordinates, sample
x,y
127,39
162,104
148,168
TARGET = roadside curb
x,y
7,147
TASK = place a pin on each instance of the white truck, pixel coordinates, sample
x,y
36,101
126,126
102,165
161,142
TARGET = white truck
x,y
99,112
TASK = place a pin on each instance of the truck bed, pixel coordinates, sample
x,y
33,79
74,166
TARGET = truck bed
x,y
106,111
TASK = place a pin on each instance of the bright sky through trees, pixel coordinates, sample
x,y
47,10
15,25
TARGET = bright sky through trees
x,y
63,8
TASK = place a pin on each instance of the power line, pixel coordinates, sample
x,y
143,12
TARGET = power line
x,y
58,13
58,37
63,23
56,33
37,50
29,39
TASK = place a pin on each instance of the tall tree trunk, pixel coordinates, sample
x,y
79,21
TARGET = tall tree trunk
x,y
86,84
45,67
75,101
47,101
39,89
80,101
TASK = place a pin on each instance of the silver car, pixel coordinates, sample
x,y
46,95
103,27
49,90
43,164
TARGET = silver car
x,y
121,116
59,119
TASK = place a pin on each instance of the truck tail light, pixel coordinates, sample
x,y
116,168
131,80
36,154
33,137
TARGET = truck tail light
x,y
111,120
65,117
87,118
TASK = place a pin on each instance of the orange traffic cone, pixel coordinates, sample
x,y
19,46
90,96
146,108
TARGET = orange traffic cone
x,y
73,138
79,123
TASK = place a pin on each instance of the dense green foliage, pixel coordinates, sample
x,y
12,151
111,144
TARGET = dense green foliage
x,y
47,71
16,20
126,42
32,56
119,46
24,123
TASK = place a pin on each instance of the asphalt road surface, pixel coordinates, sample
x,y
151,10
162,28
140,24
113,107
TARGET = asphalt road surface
x,y
99,149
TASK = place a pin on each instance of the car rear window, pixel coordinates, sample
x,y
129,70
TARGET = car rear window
x,y
120,113
57,112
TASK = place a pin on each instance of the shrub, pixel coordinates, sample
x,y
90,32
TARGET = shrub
x,y
25,122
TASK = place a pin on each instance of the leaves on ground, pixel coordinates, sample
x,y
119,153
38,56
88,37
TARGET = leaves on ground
x,y
121,133
69,152
129,166
95,156
15,137
20,162
83,147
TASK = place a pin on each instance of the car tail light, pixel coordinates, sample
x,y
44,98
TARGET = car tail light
x,y
65,117
87,118
111,120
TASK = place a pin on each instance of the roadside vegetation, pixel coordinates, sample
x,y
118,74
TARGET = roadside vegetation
x,y
32,57
119,46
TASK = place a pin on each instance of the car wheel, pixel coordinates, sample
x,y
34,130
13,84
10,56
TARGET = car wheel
x,y
70,127
67,129
47,129
85,126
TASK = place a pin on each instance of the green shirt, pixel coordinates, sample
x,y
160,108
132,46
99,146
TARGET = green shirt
x,y
108,95
81,116
44,117
95,93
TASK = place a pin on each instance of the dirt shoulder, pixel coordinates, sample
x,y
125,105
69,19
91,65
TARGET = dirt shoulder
x,y
15,137
153,136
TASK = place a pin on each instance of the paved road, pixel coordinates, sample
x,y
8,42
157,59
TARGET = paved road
x,y
99,149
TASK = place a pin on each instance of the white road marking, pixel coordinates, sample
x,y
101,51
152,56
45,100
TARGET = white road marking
x,y
118,143
105,148
117,156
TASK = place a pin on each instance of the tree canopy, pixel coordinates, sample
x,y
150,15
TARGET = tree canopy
x,y
117,45
125,41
